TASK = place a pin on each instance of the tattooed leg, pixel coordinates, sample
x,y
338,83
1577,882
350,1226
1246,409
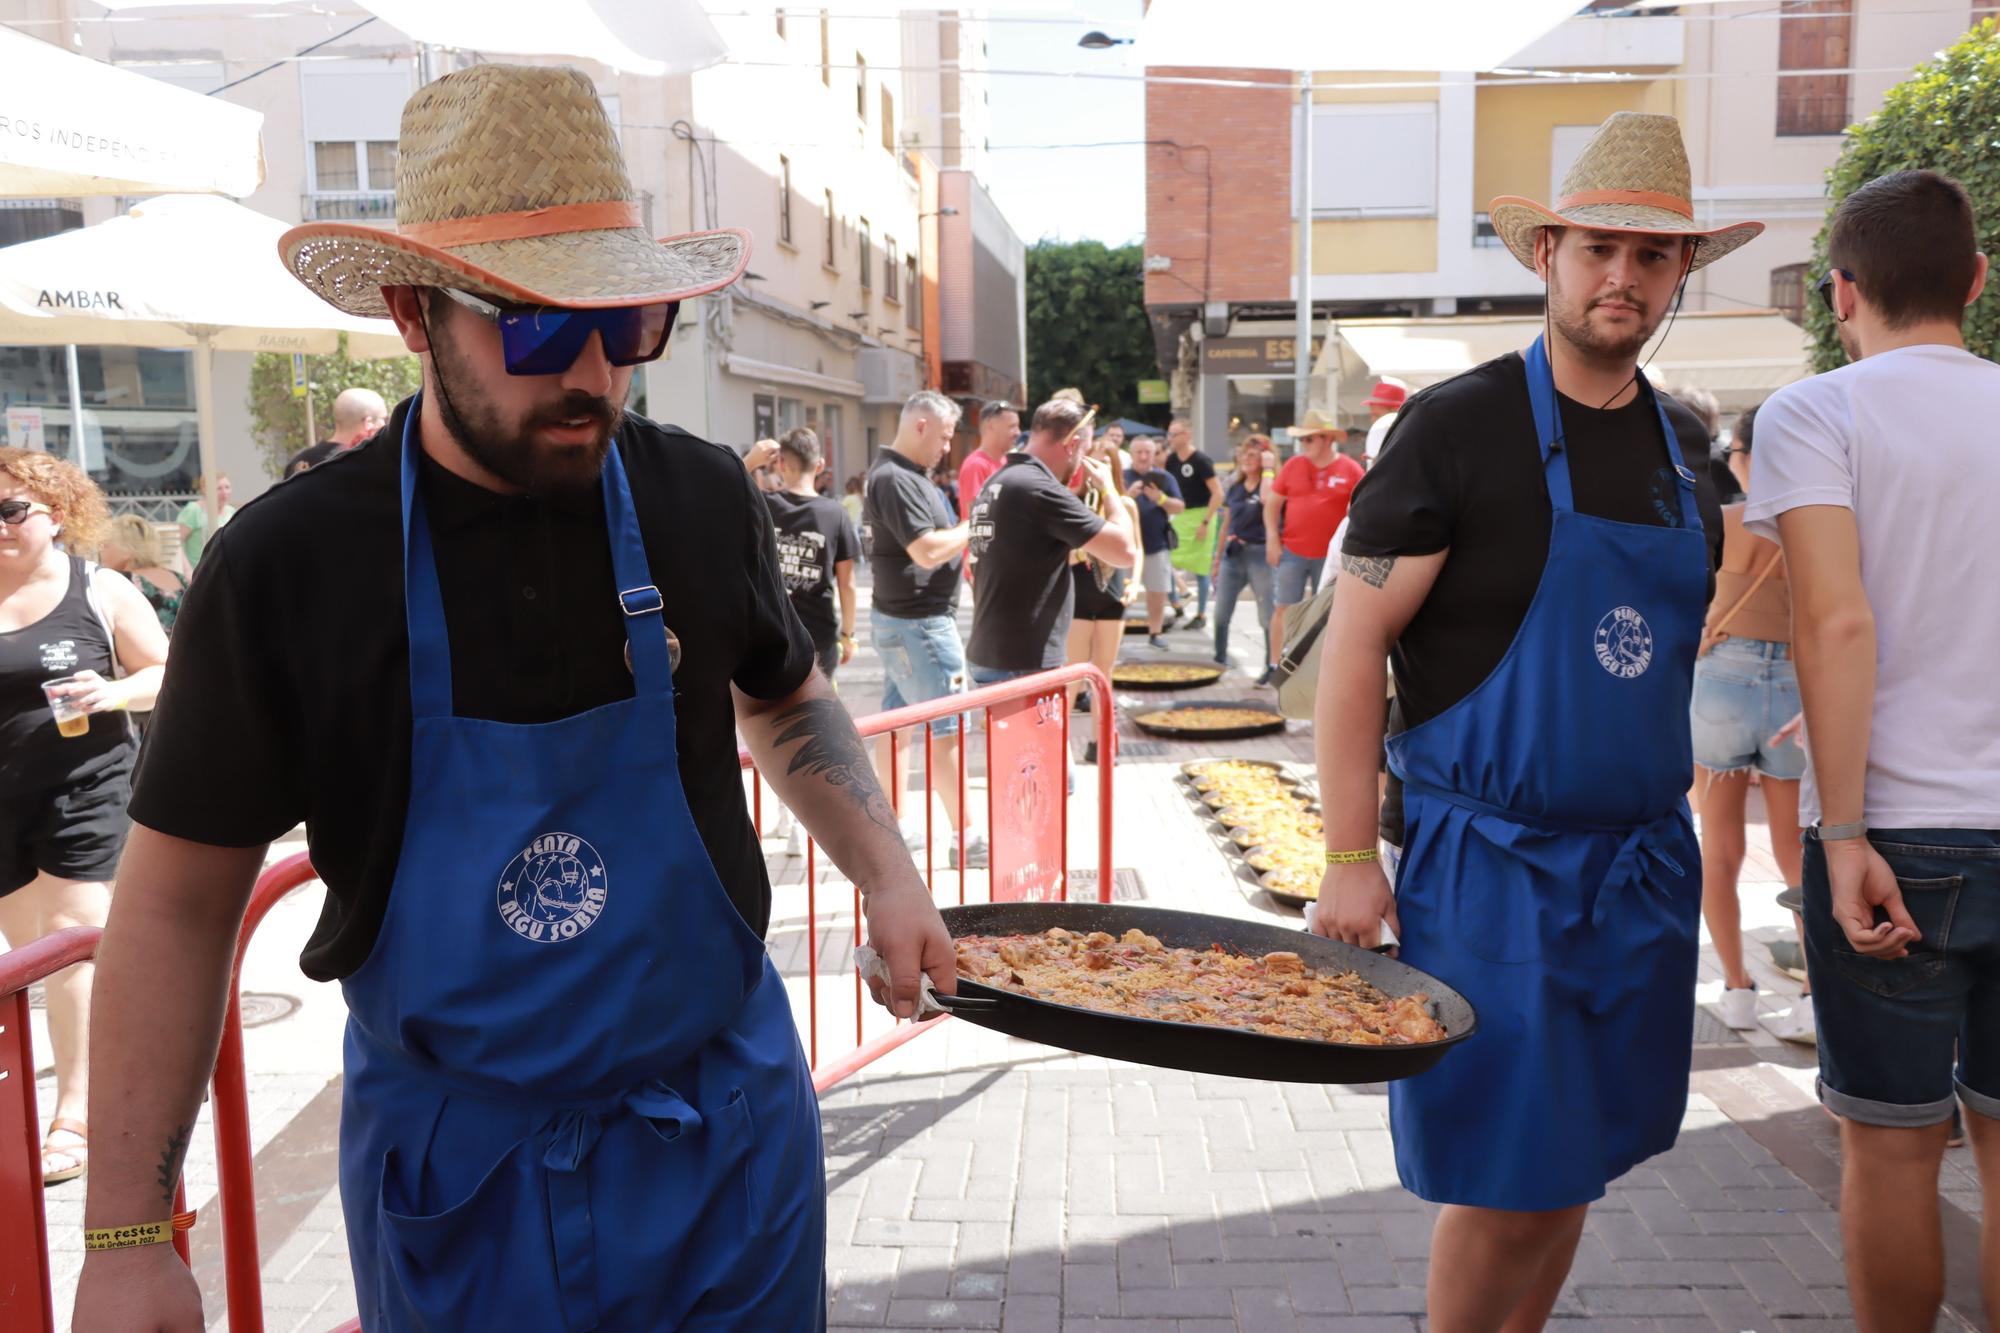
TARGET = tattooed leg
x,y
830,747
1372,570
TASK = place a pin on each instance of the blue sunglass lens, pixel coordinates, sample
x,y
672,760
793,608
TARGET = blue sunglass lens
x,y
547,342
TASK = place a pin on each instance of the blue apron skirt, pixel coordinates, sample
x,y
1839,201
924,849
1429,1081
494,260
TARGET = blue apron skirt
x,y
1550,871
574,1094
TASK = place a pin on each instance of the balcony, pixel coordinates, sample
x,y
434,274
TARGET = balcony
x,y
1626,42
375,206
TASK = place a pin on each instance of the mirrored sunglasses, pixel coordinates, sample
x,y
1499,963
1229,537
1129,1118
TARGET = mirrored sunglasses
x,y
546,340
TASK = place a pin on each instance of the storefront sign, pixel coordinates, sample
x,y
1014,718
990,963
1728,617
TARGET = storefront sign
x,y
1153,391
1253,356
24,429
1024,745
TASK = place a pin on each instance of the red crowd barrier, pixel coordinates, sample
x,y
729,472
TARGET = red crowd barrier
x,y
25,1302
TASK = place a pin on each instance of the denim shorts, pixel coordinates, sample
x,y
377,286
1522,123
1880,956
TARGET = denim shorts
x,y
922,659
1297,577
1899,1038
1744,691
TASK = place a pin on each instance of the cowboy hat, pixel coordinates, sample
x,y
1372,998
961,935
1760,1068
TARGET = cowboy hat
x,y
510,185
1316,422
1632,176
1388,392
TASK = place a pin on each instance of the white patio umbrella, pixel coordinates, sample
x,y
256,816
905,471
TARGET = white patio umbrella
x,y
193,271
1350,35
75,126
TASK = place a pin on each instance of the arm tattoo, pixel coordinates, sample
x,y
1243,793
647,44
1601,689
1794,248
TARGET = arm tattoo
x,y
832,749
170,1162
1372,570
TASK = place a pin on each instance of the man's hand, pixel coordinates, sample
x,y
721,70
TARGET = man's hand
x,y
1862,881
1354,901
846,647
144,1290
1273,553
905,928
760,455
1099,474
1136,490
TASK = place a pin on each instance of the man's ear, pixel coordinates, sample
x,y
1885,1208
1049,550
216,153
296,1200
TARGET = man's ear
x,y
1978,279
405,308
1545,250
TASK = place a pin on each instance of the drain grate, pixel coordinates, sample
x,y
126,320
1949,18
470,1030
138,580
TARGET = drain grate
x,y
262,1008
1712,1031
1126,886
1141,749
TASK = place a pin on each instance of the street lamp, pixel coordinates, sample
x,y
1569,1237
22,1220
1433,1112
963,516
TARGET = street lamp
x,y
1097,41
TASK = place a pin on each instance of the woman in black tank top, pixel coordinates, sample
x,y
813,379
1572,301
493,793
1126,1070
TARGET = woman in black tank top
x,y
63,787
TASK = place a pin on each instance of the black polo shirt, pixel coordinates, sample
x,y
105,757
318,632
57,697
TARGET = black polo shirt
x,y
287,697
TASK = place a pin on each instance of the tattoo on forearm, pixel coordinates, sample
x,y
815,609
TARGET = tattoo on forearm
x,y
1372,570
831,748
170,1162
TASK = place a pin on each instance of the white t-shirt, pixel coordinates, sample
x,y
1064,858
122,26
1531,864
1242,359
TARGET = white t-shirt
x,y
1910,441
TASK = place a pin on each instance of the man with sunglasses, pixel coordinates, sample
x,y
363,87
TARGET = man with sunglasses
x,y
574,1094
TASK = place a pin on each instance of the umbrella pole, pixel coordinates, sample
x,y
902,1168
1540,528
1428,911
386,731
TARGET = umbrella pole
x,y
1302,349
76,450
204,416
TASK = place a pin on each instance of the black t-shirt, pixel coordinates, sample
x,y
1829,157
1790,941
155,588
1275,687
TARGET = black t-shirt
x,y
813,536
899,505
1154,522
310,457
1193,474
1461,468
288,694
1024,525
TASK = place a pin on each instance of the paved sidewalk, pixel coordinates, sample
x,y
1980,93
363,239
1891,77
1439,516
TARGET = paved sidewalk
x,y
979,1182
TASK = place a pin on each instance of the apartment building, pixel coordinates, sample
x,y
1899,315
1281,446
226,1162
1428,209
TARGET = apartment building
x,y
821,136
1406,268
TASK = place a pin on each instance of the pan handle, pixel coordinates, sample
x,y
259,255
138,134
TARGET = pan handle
x,y
967,1004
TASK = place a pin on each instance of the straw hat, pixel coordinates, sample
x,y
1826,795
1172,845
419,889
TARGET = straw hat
x,y
510,185
1633,176
1316,422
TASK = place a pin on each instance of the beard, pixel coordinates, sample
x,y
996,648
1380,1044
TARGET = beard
x,y
509,449
1575,326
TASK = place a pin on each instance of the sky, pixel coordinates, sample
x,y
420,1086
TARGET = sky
x,y
1067,193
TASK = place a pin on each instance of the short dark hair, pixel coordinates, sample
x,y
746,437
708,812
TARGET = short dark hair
x,y
1746,426
803,445
1058,417
994,408
1909,241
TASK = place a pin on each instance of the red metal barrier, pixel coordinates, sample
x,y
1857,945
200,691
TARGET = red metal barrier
x,y
1047,690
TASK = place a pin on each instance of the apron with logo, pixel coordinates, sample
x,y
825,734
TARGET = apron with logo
x,y
1550,871
574,1097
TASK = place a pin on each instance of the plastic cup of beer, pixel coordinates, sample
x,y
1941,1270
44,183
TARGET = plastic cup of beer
x,y
71,721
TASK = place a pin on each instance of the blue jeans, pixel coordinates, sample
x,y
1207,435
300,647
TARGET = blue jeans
x,y
1241,568
1297,577
1899,1037
994,675
922,659
1744,690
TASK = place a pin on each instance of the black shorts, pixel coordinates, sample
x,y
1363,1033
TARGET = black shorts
x,y
75,831
1090,602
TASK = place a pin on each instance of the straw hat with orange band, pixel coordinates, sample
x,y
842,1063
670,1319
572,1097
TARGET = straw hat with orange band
x,y
510,186
1633,176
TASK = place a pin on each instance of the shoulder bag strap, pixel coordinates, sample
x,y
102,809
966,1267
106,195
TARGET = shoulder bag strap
x,y
1720,632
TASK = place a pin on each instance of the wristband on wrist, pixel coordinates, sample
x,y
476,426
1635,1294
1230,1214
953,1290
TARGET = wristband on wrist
x,y
1843,832
1353,858
143,1233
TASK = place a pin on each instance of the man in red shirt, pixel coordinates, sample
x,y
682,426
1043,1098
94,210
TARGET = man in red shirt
x,y
1304,507
999,426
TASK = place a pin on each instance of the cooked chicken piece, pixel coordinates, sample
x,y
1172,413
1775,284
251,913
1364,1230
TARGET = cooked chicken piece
x,y
1020,954
1096,939
1284,963
1096,959
1142,939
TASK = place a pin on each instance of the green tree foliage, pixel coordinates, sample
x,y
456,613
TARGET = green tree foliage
x,y
1944,117
1087,327
278,420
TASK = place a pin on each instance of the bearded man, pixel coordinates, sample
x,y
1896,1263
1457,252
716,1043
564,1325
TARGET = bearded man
x,y
1532,554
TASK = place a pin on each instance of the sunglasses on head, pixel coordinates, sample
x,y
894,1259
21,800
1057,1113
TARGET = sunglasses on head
x,y
546,340
15,512
1824,287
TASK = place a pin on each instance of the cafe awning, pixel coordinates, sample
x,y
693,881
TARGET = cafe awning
x,y
1739,356
73,126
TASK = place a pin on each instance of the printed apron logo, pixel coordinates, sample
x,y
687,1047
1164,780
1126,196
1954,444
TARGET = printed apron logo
x,y
1624,643
554,890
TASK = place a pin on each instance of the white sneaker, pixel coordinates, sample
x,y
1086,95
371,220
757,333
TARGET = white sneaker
x,y
1739,1008
1796,1024
912,827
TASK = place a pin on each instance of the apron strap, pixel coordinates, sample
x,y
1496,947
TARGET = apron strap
x,y
1555,458
423,602
638,597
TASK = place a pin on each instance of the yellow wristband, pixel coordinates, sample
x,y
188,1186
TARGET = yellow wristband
x,y
1352,858
144,1233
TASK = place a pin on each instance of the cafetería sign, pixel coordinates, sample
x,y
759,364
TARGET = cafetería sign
x,y
1252,356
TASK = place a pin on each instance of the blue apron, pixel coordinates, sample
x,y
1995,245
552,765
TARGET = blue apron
x,y
575,1097
1550,870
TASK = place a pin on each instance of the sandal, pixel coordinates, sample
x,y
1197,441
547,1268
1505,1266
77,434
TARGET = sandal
x,y
77,1156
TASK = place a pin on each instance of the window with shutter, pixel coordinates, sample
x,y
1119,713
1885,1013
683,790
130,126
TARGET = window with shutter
x,y
1814,35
